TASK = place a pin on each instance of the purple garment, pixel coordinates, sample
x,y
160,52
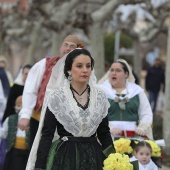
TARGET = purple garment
x,y
2,151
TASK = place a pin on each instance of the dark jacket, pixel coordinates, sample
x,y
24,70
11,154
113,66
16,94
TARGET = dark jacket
x,y
154,79
4,81
15,91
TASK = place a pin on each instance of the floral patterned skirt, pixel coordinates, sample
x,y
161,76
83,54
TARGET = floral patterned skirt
x,y
76,153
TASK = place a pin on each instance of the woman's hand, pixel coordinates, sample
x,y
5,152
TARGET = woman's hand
x,y
140,132
116,131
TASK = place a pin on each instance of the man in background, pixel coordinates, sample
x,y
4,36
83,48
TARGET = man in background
x,y
35,87
155,78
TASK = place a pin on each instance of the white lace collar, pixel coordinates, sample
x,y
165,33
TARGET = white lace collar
x,y
131,90
75,120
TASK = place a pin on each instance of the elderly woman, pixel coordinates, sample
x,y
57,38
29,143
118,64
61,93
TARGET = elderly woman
x,y
130,114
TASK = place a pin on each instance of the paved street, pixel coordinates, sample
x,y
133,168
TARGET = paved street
x,y
165,168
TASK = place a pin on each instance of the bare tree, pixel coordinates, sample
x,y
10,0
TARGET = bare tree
x,y
47,22
166,118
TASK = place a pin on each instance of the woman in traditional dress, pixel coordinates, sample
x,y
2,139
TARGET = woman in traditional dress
x,y
130,113
16,90
77,110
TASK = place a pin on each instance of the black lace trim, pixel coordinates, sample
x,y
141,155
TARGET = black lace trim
x,y
84,107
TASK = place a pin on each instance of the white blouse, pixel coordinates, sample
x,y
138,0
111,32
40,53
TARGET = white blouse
x,y
31,88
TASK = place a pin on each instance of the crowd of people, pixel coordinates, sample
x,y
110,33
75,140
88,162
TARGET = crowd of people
x,y
12,138
57,116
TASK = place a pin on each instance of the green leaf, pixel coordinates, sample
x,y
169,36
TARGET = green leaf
x,y
109,150
135,165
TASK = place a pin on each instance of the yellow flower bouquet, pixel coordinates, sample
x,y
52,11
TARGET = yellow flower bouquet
x,y
123,146
117,161
156,150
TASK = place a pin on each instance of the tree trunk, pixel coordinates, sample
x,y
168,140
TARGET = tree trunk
x,y
1,47
166,118
60,18
33,42
96,35
97,48
137,59
57,39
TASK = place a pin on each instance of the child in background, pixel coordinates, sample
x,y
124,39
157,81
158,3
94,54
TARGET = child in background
x,y
143,152
17,141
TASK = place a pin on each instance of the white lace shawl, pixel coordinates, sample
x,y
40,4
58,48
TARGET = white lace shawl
x,y
131,90
78,122
19,78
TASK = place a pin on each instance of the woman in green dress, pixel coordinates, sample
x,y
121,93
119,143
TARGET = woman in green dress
x,y
130,113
